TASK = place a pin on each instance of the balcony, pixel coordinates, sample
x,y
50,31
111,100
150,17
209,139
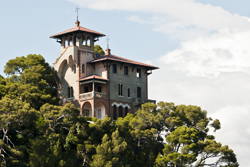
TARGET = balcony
x,y
93,94
67,100
150,101
138,101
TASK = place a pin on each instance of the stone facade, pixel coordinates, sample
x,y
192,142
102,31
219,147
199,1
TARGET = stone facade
x,y
98,85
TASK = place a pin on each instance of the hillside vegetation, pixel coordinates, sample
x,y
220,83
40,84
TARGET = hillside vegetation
x,y
36,132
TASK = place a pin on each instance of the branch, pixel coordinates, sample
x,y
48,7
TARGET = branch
x,y
178,147
66,128
4,134
8,139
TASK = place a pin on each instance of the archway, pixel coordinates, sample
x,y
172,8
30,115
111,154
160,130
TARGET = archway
x,y
62,69
100,109
86,109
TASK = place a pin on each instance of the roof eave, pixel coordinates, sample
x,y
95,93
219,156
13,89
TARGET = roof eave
x,y
67,33
105,59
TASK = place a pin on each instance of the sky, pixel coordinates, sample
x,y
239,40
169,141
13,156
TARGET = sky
x,y
201,47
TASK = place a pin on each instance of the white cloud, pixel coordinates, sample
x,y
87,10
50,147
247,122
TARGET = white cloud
x,y
177,13
232,118
225,97
150,20
209,56
136,19
211,68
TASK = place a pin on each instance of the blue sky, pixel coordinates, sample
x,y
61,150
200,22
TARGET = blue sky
x,y
201,47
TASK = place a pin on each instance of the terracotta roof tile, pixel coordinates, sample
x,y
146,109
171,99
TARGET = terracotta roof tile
x,y
92,76
79,28
121,59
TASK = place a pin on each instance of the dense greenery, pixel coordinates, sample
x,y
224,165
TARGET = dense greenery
x,y
36,132
98,49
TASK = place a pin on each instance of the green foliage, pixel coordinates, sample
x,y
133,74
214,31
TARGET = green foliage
x,y
30,79
112,152
2,86
98,49
37,132
187,138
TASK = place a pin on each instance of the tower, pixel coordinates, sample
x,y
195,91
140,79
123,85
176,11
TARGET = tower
x,y
102,85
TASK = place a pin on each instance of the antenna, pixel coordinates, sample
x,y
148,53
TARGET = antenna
x,y
107,42
77,12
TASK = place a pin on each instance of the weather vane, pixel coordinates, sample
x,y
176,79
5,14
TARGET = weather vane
x,y
107,42
77,11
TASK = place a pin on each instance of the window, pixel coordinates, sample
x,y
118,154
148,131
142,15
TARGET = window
x,y
88,41
86,89
83,41
70,41
128,92
120,111
139,92
83,68
99,89
126,111
114,68
138,73
120,92
114,113
66,43
125,70
70,92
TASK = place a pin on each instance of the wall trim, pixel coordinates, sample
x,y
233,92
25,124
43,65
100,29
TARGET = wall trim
x,y
120,104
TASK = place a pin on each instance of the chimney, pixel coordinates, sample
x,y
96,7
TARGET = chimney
x,y
77,23
107,52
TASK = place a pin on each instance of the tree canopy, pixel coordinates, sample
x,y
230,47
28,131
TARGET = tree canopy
x,y
98,49
36,132
30,79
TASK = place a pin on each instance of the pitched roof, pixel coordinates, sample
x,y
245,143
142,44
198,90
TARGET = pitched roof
x,y
121,59
92,76
77,28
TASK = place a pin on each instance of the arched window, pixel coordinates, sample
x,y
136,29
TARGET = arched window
x,y
71,92
126,111
120,90
70,41
68,92
114,113
88,41
120,111
66,42
83,68
83,41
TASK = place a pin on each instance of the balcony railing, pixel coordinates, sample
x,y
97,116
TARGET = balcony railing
x,y
101,95
66,100
91,94
150,101
138,101
86,95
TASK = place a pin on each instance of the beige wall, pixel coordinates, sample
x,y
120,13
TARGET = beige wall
x,y
67,69
100,70
86,57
